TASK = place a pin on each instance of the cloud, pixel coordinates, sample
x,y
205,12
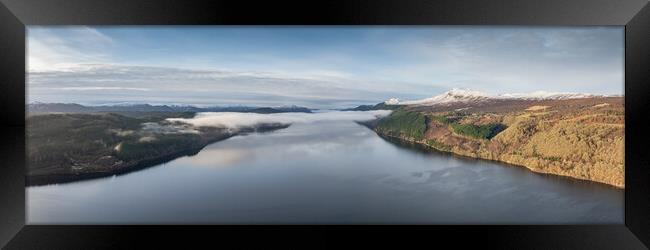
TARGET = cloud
x,y
522,59
157,128
48,50
92,88
235,120
362,66
201,87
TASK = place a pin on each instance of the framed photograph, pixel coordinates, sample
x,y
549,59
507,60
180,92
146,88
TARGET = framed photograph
x,y
516,124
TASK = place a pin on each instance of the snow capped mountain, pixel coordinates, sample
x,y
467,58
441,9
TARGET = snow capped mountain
x,y
452,96
543,95
457,95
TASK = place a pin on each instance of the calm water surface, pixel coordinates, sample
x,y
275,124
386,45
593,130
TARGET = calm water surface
x,y
325,172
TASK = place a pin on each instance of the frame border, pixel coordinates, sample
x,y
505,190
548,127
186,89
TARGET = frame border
x,y
15,14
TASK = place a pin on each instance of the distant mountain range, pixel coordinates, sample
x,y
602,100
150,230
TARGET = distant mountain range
x,y
457,95
37,107
378,106
466,97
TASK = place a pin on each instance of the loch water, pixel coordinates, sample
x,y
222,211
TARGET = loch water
x,y
328,172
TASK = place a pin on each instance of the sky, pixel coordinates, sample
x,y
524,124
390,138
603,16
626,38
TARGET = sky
x,y
316,67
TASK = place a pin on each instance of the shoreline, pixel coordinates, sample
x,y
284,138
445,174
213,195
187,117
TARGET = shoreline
x,y
128,167
144,163
429,147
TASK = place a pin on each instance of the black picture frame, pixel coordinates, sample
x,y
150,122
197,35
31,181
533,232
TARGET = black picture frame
x,y
633,14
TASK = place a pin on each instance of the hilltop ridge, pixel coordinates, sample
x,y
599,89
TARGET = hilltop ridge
x,y
461,95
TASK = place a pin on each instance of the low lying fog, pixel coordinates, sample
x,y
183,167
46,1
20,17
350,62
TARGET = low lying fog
x,y
234,119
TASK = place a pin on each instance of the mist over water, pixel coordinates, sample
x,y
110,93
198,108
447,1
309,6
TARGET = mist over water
x,y
237,119
327,171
